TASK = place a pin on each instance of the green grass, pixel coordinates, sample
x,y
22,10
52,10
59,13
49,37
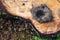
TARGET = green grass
x,y
39,38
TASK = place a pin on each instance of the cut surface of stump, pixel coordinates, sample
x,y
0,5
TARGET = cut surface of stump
x,y
23,8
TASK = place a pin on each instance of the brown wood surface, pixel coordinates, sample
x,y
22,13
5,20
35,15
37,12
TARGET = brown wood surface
x,y
17,8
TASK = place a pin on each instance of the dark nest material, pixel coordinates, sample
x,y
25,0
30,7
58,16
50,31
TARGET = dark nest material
x,y
14,28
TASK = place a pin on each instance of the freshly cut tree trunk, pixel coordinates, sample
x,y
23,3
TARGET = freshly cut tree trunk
x,y
23,8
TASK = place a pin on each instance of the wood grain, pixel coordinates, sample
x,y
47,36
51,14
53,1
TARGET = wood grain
x,y
16,8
